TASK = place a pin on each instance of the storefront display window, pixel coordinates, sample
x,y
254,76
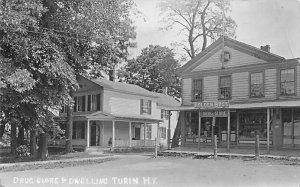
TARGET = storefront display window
x,y
251,123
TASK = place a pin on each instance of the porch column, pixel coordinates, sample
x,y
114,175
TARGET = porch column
x,y
88,133
130,142
113,134
199,130
144,132
157,137
228,131
268,130
169,130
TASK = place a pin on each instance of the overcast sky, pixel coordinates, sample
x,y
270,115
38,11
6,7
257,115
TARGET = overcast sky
x,y
260,22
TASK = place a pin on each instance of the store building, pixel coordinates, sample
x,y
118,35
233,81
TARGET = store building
x,y
236,95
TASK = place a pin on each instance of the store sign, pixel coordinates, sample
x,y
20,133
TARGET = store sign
x,y
212,104
214,113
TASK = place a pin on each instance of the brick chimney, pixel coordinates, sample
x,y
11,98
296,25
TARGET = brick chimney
x,y
265,48
111,75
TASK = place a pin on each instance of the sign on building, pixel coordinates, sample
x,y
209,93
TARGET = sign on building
x,y
211,105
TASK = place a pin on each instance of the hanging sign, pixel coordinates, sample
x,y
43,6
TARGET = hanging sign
x,y
212,105
214,113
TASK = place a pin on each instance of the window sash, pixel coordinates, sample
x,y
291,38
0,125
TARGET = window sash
x,y
225,87
287,82
145,106
256,85
197,89
162,132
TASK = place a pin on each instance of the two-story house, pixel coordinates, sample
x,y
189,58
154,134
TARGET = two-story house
x,y
114,114
244,92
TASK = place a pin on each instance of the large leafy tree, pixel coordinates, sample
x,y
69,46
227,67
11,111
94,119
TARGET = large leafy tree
x,y
154,70
200,21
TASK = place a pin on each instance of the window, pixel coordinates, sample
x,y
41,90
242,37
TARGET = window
x,y
225,87
78,130
287,82
64,109
145,106
197,89
164,114
93,102
148,131
162,132
256,85
79,105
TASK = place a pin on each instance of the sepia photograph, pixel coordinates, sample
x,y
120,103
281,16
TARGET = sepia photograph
x,y
156,93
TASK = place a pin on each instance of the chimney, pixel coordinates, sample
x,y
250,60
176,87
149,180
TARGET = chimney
x,y
111,75
265,48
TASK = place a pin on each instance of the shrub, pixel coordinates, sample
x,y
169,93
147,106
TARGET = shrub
x,y
23,151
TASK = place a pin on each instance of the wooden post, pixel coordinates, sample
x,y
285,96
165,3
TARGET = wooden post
x,y
212,130
144,132
237,127
228,131
130,136
113,134
268,130
256,145
199,130
87,134
215,147
155,148
157,135
169,130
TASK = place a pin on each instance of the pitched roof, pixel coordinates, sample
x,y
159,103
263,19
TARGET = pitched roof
x,y
123,87
167,101
234,44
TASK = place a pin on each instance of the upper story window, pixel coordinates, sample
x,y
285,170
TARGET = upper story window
x,y
225,87
93,103
164,114
79,105
145,106
287,82
256,84
197,89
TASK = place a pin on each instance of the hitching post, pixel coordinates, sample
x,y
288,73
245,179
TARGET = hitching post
x,y
256,145
215,147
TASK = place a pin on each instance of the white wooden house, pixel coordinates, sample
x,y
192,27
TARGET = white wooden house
x,y
114,114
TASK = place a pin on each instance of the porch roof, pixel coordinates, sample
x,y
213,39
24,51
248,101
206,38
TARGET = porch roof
x,y
266,104
109,117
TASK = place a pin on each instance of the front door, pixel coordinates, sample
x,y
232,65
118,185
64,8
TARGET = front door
x,y
93,135
137,133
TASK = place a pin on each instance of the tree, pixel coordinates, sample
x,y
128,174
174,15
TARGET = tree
x,y
154,70
200,20
96,35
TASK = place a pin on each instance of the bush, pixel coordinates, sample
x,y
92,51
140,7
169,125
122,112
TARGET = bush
x,y
23,151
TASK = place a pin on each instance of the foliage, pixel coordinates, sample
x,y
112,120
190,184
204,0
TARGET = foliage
x,y
154,70
199,20
23,151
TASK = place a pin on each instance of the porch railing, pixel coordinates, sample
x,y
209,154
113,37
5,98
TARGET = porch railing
x,y
135,143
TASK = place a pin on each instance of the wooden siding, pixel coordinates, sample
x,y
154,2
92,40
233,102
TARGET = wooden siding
x,y
270,83
210,88
124,104
237,59
186,91
240,86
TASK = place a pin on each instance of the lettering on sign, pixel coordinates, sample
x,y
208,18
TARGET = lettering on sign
x,y
214,113
212,104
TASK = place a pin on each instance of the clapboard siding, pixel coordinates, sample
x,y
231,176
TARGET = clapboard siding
x,y
210,86
124,104
237,59
240,85
186,91
270,83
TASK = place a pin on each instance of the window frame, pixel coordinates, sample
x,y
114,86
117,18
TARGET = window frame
x,y
263,84
295,83
164,114
148,134
145,107
162,133
76,129
193,89
219,90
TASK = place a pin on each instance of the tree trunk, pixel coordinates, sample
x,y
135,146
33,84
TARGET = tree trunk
x,y
69,127
13,139
177,132
20,139
2,129
33,151
43,146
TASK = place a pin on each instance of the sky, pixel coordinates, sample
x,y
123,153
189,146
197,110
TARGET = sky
x,y
259,22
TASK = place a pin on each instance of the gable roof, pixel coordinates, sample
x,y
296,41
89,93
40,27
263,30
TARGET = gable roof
x,y
167,101
217,45
123,87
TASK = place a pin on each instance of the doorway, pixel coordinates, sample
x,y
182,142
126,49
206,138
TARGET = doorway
x,y
95,135
137,133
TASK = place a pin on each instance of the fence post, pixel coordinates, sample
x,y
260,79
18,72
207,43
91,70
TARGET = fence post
x,y
256,146
215,147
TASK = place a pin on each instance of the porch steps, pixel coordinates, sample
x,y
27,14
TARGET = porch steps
x,y
97,149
